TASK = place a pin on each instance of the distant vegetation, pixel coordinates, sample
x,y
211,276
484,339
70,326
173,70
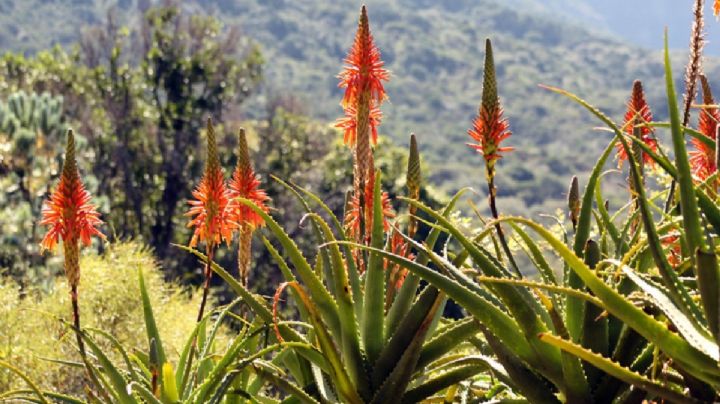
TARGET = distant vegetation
x,y
433,49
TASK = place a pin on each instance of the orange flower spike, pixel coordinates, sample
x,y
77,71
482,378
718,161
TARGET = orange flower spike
x,y
638,112
352,220
245,184
209,210
716,8
70,217
68,212
364,70
702,158
489,127
349,125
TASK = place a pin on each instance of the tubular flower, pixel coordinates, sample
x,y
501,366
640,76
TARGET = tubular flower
x,y
716,8
489,127
638,112
363,69
352,219
398,246
702,159
245,184
68,213
349,124
209,211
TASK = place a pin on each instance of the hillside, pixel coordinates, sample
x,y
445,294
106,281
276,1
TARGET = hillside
x,y
435,52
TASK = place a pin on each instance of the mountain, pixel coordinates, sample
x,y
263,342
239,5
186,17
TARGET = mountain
x,y
434,50
639,22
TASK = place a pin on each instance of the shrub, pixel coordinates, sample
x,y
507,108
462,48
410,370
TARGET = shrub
x,y
31,335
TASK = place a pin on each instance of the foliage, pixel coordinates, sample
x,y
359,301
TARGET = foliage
x,y
623,308
34,339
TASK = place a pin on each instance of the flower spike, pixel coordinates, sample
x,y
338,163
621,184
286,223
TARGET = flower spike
x,y
638,113
245,184
349,125
71,217
209,210
363,69
353,218
702,158
489,127
68,213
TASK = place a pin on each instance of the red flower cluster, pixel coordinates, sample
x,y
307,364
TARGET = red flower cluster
x,y
490,128
362,78
349,125
209,210
215,212
68,213
352,219
702,159
245,184
638,112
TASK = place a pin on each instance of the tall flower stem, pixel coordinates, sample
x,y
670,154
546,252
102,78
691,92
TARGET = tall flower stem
x,y
492,191
206,284
245,253
76,319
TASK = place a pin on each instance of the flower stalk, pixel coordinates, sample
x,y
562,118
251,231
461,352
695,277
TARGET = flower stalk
x,y
209,211
490,129
362,79
73,219
245,184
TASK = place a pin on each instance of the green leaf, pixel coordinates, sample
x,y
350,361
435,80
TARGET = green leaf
x,y
410,329
116,379
150,325
496,320
321,296
691,331
446,339
692,360
348,322
407,292
443,381
520,303
688,203
615,370
708,280
396,384
373,318
26,379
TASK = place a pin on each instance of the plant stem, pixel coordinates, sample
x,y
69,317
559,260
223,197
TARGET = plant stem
x,y
76,319
501,235
206,284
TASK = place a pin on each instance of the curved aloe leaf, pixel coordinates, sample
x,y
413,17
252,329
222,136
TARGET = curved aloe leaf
x,y
407,292
688,203
26,379
348,322
445,380
329,349
687,328
373,317
321,296
614,369
693,360
497,321
519,302
446,339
